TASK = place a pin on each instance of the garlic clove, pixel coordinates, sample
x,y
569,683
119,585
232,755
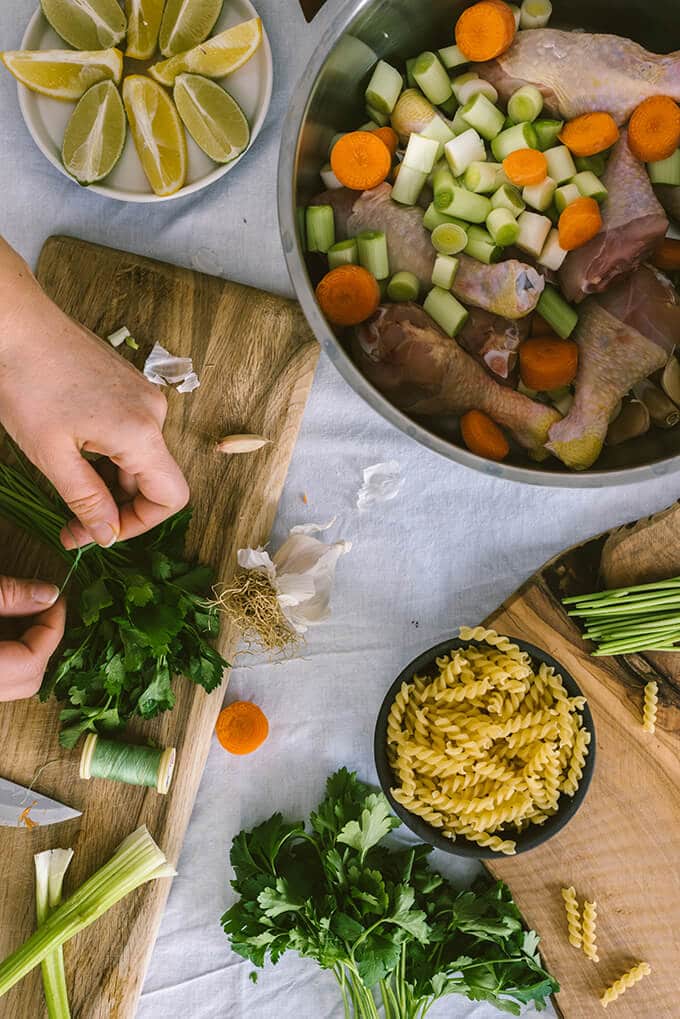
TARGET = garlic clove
x,y
632,422
670,379
241,443
663,412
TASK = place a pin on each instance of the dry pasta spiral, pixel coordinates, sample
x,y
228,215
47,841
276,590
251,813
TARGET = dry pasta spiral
x,y
588,930
574,931
624,982
649,706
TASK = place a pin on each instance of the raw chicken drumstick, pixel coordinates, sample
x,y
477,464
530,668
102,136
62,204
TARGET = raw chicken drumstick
x,y
510,289
419,369
582,73
493,340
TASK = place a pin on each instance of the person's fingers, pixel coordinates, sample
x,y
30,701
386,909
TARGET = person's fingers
x,y
127,484
161,488
85,492
25,597
23,661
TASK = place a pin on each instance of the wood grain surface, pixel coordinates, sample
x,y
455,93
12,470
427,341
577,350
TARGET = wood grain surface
x,y
622,848
255,357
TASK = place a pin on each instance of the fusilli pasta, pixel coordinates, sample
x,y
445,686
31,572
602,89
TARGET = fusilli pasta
x,y
649,706
588,930
624,982
574,932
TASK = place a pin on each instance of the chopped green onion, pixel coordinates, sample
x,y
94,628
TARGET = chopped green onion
x,y
503,227
373,255
421,153
432,78
378,117
449,238
666,171
560,164
408,185
403,286
484,178
447,312
525,104
433,217
384,88
539,196
481,245
468,206
343,253
547,133
330,181
557,313
553,254
452,57
50,867
508,197
486,118
533,232
131,342
565,195
466,148
320,223
460,80
439,131
598,163
118,337
520,136
444,271
443,183
535,13
626,620
590,186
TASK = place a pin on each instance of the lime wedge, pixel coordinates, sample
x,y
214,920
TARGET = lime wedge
x,y
143,24
186,23
63,74
157,133
95,134
213,119
218,56
86,24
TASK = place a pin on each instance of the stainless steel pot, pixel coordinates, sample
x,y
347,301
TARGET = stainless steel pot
x,y
329,99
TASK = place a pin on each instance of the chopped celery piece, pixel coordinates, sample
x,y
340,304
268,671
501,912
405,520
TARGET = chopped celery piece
x,y
565,195
547,133
486,118
373,255
443,183
450,106
533,232
329,179
320,223
384,88
481,245
403,286
598,163
452,57
433,217
410,80
464,149
438,130
590,186
449,238
421,153
50,867
484,178
560,164
535,13
381,119
556,312
460,80
467,206
520,136
300,217
539,196
525,104
444,271
666,171
343,253
503,227
508,197
408,185
476,87
432,78
553,253
447,312
516,13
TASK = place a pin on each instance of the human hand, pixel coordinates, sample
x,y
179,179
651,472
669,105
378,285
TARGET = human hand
x,y
64,392
24,657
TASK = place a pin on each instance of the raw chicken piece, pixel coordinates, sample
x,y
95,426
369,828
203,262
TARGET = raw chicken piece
x,y
409,359
669,196
510,289
582,73
493,340
614,356
633,223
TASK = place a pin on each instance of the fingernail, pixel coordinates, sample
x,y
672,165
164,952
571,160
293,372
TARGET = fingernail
x,y
104,535
44,594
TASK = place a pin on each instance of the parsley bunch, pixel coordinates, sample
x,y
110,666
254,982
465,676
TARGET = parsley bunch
x,y
138,615
378,918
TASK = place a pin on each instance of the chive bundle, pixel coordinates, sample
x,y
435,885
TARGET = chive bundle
x,y
626,620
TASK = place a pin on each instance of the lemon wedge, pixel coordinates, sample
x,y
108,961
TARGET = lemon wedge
x,y
144,22
157,133
63,74
86,24
95,134
186,23
218,56
212,117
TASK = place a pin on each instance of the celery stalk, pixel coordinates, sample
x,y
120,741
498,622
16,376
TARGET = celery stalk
x,y
547,132
520,136
449,238
481,245
443,183
502,226
481,114
539,196
384,88
403,286
533,232
565,195
468,206
464,149
448,313
452,57
432,217
320,223
508,197
557,313
408,185
444,271
373,253
534,13
590,186
525,104
50,868
560,164
343,253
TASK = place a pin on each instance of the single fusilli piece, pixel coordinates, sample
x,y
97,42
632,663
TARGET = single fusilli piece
x,y
578,758
624,982
489,841
574,932
588,930
649,706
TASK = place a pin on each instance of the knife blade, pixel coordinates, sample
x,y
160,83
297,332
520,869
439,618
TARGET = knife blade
x,y
25,808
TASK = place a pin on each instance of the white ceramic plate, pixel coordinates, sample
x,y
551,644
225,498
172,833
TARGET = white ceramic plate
x,y
46,119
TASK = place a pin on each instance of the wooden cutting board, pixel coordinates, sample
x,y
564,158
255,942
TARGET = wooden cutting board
x,y
622,849
255,357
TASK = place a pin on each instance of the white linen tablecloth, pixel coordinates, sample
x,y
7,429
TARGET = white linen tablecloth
x,y
446,551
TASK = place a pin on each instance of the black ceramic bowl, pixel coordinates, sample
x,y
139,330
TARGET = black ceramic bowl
x,y
533,835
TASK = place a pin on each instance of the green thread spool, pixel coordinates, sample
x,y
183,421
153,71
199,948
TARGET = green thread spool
x,y
123,762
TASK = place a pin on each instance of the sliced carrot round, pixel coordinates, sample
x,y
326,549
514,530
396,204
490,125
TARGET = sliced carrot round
x,y
485,30
579,223
654,129
389,136
589,134
547,363
361,160
526,166
242,727
348,295
482,436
